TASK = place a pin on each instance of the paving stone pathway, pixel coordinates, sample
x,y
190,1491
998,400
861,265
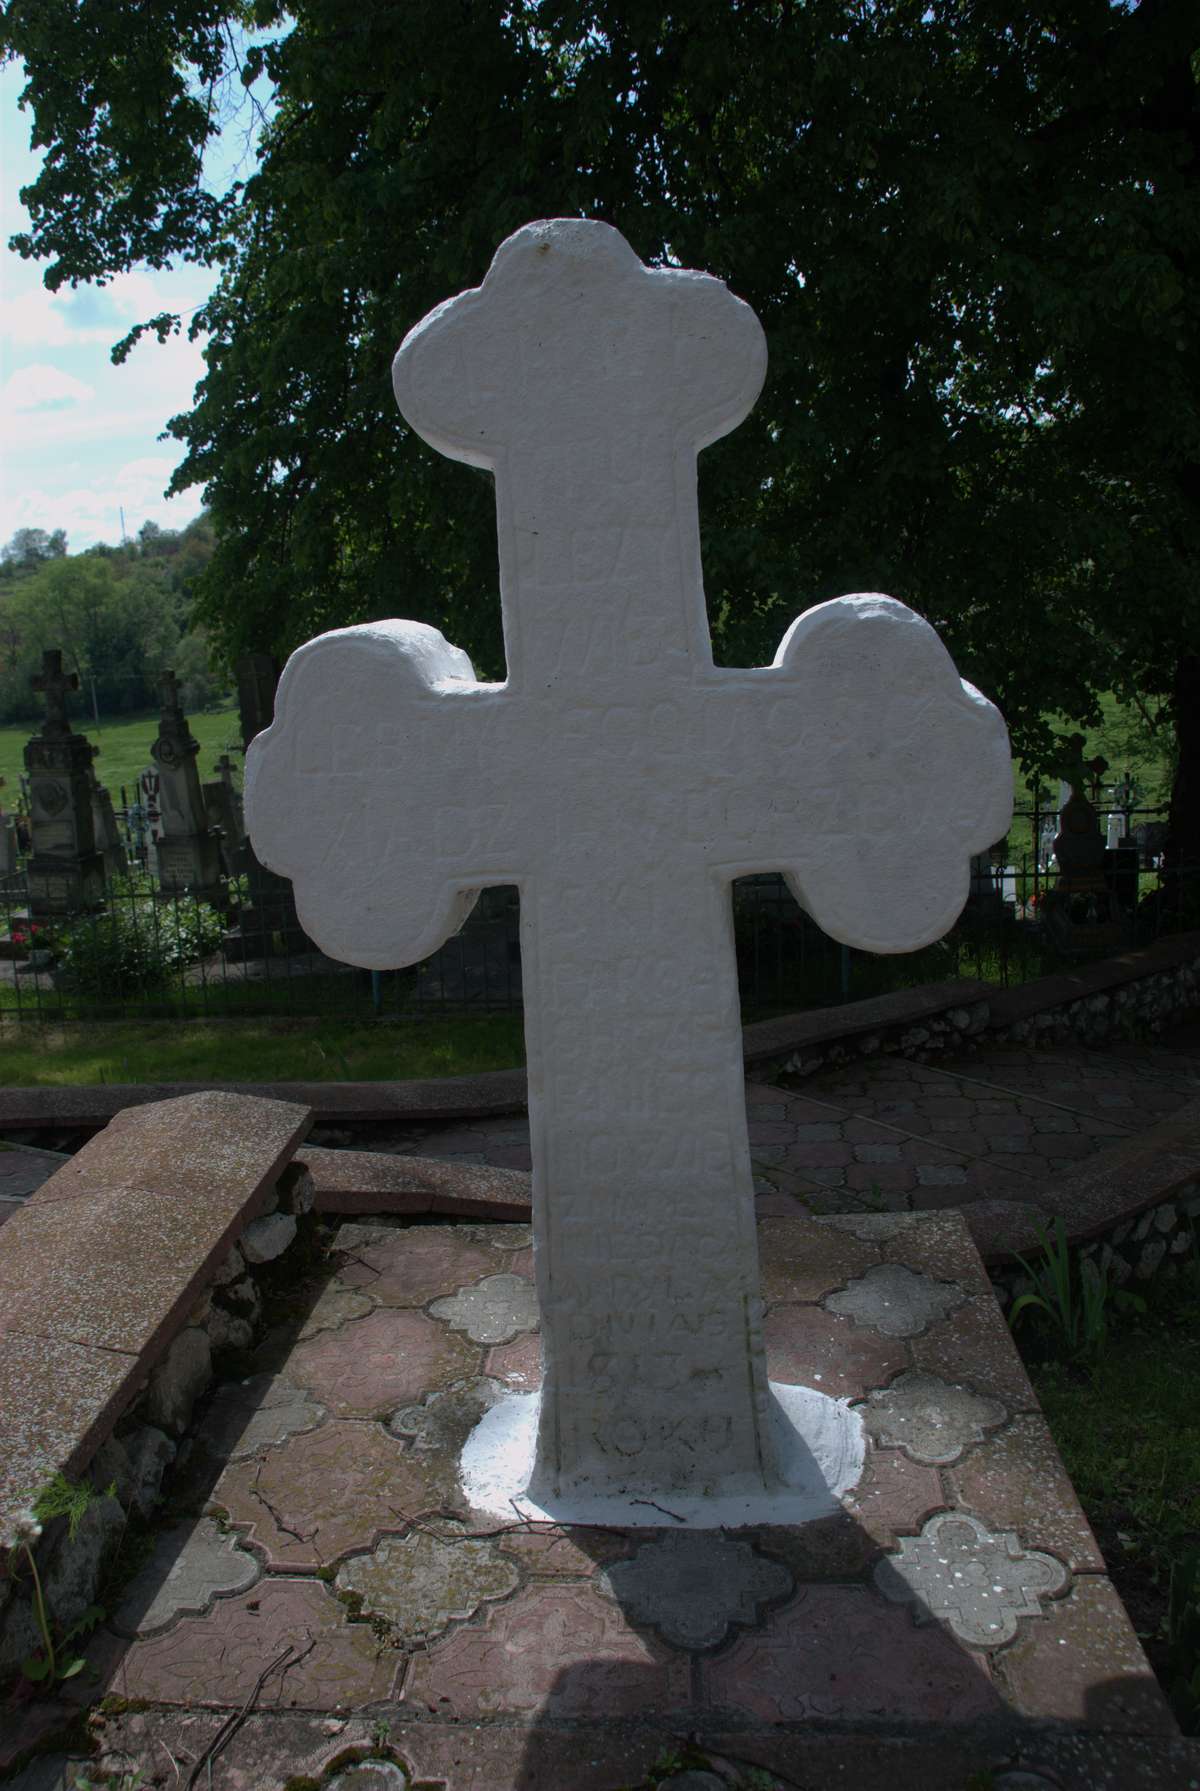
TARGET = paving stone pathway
x,y
329,1581
890,1135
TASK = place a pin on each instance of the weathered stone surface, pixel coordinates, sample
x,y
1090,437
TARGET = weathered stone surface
x,y
494,1310
57,1402
412,1265
135,1463
218,1660
246,1417
422,1582
836,1653
335,1307
332,1492
1016,1481
978,1583
896,1301
1084,1666
266,1238
563,1650
442,1423
932,1420
693,1588
382,1361
177,1382
191,1565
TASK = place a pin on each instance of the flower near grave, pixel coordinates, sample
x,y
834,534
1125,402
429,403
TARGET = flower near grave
x,y
26,1528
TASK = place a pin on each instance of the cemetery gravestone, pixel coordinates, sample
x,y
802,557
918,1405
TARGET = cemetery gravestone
x,y
107,834
188,850
267,918
223,807
65,871
622,780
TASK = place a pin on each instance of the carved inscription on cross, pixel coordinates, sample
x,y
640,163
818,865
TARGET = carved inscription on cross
x,y
53,683
622,780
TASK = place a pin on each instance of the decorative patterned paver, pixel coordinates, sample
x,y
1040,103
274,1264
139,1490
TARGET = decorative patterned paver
x,y
380,1362
896,1300
802,1262
246,1417
413,1265
980,1584
972,1346
932,1420
894,1496
1016,1481
837,1653
495,1310
1085,1666
694,1587
558,1651
807,1346
336,1306
331,1492
422,1582
190,1566
217,1660
443,1422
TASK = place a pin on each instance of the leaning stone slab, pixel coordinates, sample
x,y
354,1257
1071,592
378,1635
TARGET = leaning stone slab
x,y
215,1146
363,1181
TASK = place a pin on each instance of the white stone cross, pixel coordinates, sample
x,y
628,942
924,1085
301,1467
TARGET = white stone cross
x,y
622,780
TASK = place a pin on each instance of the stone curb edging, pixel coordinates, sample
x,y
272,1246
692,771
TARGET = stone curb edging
x,y
1137,988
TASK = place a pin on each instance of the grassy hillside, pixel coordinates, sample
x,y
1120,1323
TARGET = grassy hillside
x,y
125,746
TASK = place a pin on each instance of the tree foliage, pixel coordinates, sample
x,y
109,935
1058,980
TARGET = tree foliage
x,y
972,233
118,616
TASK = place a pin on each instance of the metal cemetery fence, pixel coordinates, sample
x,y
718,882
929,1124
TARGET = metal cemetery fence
x,y
147,954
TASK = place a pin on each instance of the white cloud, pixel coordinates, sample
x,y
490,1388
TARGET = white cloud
x,y
43,387
91,512
77,317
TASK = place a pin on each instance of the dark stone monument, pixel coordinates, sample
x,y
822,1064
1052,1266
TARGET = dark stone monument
x,y
223,806
66,872
1081,914
267,919
109,843
189,856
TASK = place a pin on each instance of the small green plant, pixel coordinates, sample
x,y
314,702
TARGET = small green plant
x,y
133,1779
137,945
1072,1294
381,1735
1183,1641
60,1497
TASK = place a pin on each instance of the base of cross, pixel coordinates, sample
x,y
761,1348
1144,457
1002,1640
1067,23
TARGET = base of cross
x,y
818,1445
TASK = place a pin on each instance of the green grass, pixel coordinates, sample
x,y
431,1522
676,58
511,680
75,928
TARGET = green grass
x,y
257,1051
125,746
1128,1429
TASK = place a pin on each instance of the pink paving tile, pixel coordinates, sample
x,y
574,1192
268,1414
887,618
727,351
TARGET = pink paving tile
x,y
1081,1663
807,1346
518,1364
894,1496
332,1492
552,1552
839,1654
939,1246
413,1265
1015,1481
801,1260
217,1659
377,1363
556,1651
972,1346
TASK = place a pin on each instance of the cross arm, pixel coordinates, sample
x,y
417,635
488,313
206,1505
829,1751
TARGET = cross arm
x,y
355,791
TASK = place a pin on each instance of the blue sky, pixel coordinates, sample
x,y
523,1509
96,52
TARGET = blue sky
x,y
80,437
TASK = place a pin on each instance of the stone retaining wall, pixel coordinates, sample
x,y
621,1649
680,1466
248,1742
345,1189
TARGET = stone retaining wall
x,y
1129,997
128,1468
1159,1242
